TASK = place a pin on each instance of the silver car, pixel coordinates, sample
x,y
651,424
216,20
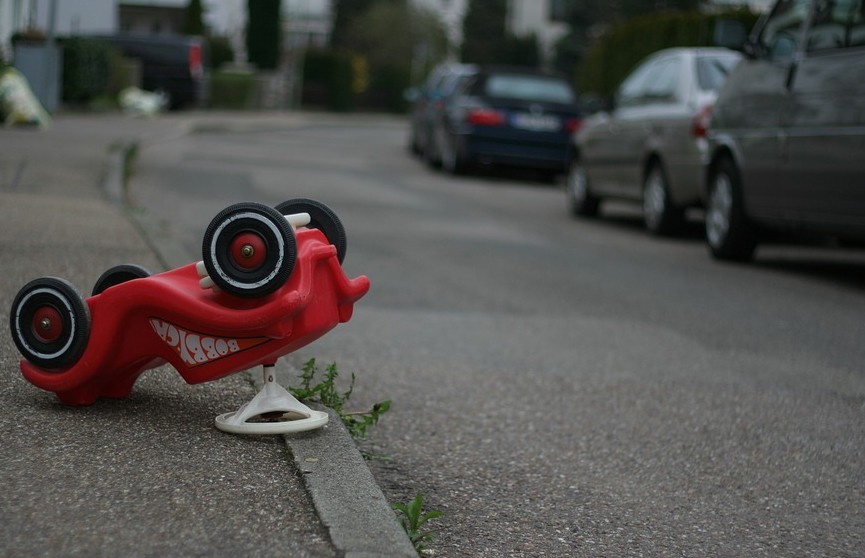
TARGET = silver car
x,y
650,148
787,137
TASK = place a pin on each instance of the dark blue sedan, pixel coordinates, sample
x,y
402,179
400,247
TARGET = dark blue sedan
x,y
509,116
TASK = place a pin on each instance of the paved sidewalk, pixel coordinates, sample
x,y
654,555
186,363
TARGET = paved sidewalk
x,y
149,475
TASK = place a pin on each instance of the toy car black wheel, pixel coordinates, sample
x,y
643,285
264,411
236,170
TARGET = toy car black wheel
x,y
50,323
249,250
322,218
117,275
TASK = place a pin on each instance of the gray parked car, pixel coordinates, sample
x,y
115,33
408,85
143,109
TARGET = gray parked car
x,y
787,136
651,147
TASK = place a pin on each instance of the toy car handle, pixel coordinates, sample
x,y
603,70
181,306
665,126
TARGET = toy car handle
x,y
296,220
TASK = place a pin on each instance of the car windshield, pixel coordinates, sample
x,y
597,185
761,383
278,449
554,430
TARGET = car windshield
x,y
713,70
529,88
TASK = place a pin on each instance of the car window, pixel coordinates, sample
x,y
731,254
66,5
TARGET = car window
x,y
781,33
632,90
837,24
663,82
712,71
452,83
529,88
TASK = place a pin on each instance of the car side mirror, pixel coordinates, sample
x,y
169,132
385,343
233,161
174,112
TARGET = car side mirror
x,y
730,33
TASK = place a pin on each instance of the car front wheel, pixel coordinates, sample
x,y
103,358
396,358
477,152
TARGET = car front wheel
x,y
580,198
729,233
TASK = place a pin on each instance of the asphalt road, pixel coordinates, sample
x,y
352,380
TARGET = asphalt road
x,y
559,387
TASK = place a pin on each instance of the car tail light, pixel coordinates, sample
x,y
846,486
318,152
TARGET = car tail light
x,y
195,68
700,124
486,117
573,124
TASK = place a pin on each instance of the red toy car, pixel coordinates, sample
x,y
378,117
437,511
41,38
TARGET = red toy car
x,y
270,282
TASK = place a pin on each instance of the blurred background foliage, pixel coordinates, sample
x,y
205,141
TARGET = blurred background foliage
x,y
380,48
609,59
400,44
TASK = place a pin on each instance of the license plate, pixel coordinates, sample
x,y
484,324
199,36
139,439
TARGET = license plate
x,y
536,122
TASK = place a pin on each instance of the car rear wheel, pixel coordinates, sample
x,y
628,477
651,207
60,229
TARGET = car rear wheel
x,y
322,218
729,233
580,198
117,275
249,250
660,216
50,323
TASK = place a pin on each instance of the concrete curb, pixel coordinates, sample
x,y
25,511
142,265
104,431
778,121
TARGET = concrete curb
x,y
349,503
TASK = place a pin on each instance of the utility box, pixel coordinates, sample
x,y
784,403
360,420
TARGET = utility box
x,y
42,65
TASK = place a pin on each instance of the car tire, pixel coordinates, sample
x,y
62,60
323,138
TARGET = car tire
x,y
452,161
322,218
581,200
249,250
50,323
729,233
660,216
117,275
432,153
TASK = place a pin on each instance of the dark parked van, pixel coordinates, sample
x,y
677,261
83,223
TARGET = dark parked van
x,y
787,134
177,65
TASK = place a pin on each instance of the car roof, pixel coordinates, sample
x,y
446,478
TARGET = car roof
x,y
693,51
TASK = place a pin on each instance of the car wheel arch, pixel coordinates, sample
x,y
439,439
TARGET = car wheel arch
x,y
650,160
724,152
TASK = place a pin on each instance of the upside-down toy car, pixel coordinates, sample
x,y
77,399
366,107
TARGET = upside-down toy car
x,y
270,281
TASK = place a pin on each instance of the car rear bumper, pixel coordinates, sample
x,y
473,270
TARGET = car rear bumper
x,y
542,153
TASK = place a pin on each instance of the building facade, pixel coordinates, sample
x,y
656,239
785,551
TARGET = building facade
x,y
14,17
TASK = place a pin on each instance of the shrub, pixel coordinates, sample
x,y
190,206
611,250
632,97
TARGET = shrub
x,y
232,90
263,33
221,51
86,68
387,87
328,79
609,61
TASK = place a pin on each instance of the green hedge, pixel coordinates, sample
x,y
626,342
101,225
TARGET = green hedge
x,y
232,90
221,51
327,79
610,60
386,89
87,68
337,80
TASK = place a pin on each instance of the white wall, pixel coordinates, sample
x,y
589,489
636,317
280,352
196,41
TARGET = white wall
x,y
14,16
77,16
533,16
451,13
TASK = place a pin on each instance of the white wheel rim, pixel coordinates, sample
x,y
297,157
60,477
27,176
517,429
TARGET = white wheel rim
x,y
654,199
720,208
577,183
